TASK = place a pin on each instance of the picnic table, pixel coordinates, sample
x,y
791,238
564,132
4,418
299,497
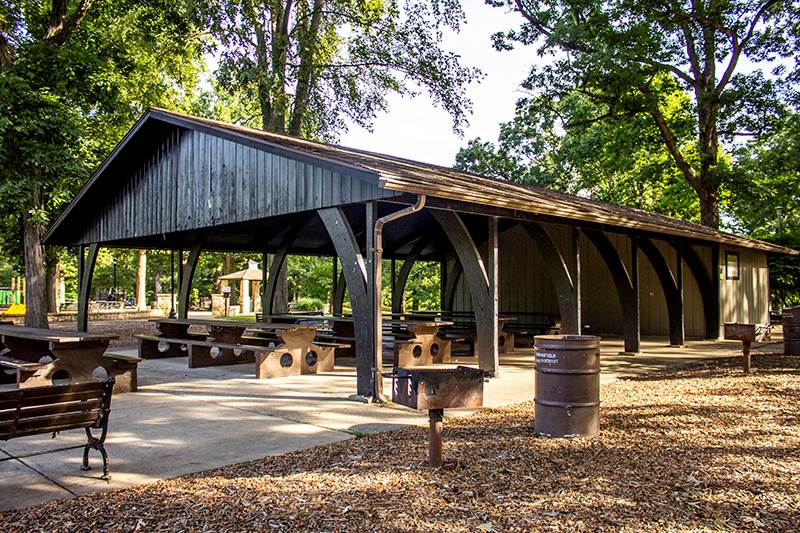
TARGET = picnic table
x,y
463,327
277,349
34,357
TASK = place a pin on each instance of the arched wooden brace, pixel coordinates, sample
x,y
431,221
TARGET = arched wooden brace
x,y
627,285
673,293
453,276
187,273
355,274
708,291
477,280
566,290
278,263
86,264
405,271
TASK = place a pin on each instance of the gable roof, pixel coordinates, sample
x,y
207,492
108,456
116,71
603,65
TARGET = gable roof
x,y
406,176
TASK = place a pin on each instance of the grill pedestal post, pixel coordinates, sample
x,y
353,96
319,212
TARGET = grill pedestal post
x,y
435,416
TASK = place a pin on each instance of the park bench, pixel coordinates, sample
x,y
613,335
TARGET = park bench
x,y
55,408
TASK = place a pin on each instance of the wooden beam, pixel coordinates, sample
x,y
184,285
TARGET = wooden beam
x,y
557,269
355,273
86,263
478,282
627,285
398,291
493,277
669,286
186,276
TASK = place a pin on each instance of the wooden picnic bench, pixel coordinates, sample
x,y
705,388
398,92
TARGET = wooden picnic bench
x,y
34,357
277,349
55,408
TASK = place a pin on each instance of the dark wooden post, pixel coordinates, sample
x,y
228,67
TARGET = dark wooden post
x,y
334,281
264,267
715,291
633,337
186,276
374,290
679,287
86,265
354,271
576,280
492,271
442,283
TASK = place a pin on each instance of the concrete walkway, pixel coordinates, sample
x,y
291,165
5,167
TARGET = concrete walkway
x,y
184,421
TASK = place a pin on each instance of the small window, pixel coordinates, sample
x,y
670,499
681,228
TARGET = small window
x,y
732,265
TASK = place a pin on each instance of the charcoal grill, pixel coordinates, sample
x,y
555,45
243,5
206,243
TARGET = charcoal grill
x,y
434,390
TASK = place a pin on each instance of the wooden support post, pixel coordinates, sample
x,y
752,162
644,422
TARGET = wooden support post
x,y
334,281
86,265
681,327
186,276
716,274
633,336
492,270
746,356
576,280
374,290
567,291
354,271
442,283
264,267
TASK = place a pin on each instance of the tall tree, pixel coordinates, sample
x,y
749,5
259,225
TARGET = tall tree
x,y
616,54
305,67
73,76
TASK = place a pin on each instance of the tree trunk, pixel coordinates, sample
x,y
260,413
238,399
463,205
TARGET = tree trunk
x,y
157,287
709,208
35,275
53,286
141,280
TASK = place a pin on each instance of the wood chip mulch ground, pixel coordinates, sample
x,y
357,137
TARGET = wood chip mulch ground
x,y
703,448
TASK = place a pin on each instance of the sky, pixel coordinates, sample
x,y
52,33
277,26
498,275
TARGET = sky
x,y
415,128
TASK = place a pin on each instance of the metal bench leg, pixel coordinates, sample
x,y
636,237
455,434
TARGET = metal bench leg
x,y
99,445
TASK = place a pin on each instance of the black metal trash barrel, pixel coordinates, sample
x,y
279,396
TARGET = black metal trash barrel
x,y
567,391
791,331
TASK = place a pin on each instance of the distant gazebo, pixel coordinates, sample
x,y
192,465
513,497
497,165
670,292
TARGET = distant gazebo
x,y
251,274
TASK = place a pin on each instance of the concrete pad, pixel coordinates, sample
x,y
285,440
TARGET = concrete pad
x,y
187,420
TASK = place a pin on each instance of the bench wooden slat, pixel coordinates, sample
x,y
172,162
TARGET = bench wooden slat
x,y
34,396
47,424
61,408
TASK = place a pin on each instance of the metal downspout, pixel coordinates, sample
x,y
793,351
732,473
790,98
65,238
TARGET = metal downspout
x,y
377,276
